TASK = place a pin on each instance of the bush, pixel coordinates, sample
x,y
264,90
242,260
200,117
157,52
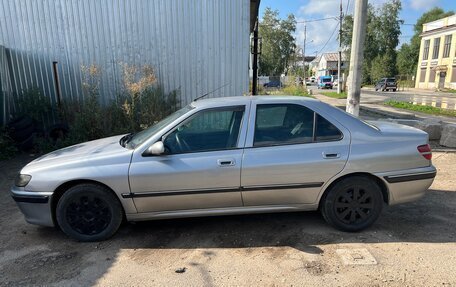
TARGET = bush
x,y
90,120
293,90
34,104
141,104
7,147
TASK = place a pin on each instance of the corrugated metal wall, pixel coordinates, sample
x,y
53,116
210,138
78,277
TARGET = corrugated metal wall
x,y
194,45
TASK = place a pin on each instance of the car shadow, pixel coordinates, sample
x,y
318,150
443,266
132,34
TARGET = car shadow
x,y
429,220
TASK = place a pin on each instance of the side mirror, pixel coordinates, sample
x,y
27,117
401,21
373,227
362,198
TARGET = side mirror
x,y
156,149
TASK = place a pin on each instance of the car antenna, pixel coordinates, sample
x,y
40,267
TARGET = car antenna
x,y
200,97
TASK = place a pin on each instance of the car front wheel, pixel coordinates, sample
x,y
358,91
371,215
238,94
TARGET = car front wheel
x,y
352,204
89,212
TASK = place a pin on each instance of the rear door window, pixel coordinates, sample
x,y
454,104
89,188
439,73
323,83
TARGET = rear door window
x,y
282,124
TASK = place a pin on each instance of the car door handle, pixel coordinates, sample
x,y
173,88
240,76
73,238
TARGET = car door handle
x,y
331,155
226,162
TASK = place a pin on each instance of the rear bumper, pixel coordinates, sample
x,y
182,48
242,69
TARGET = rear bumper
x,y
36,206
408,185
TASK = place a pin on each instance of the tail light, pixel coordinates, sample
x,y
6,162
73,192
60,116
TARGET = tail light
x,y
425,151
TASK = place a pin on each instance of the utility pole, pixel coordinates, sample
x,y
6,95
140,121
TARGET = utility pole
x,y
356,57
255,59
339,79
304,57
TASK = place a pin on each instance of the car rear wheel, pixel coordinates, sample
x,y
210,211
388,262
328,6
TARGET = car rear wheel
x,y
352,204
89,212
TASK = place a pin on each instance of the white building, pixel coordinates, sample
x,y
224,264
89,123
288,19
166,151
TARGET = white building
x,y
327,64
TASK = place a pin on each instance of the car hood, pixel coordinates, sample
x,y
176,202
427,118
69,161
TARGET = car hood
x,y
81,154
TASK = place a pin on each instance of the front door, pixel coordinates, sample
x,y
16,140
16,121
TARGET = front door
x,y
294,151
442,76
201,168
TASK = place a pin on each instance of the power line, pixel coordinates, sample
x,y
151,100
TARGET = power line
x,y
316,20
304,22
348,5
332,34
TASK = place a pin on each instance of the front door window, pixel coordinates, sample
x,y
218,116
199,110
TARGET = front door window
x,y
208,130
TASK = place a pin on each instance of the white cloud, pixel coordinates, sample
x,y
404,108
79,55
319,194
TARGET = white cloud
x,y
423,4
327,7
318,32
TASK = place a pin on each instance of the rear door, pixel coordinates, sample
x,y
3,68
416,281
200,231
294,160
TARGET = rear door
x,y
290,153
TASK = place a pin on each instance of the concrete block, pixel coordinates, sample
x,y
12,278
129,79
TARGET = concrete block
x,y
434,129
448,137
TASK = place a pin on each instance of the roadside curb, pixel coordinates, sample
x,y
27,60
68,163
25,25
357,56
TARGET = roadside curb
x,y
390,113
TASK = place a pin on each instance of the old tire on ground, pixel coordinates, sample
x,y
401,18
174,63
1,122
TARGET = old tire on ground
x,y
89,212
352,204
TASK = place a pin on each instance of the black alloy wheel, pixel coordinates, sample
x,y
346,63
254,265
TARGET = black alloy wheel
x,y
89,212
88,215
352,204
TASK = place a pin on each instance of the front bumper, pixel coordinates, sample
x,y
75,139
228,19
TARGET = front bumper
x,y
36,206
408,185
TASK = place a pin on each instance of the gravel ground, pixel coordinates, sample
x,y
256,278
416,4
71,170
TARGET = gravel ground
x,y
412,244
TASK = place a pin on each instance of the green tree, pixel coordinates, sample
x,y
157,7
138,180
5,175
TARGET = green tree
x,y
406,62
382,38
278,43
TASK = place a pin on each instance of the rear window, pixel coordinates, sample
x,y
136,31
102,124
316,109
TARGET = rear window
x,y
326,131
327,80
391,80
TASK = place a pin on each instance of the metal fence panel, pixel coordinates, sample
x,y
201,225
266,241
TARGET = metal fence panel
x,y
193,45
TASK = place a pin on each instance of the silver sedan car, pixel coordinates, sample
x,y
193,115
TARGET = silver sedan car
x,y
230,156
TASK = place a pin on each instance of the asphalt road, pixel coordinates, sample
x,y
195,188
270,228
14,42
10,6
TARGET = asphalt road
x,y
411,245
417,96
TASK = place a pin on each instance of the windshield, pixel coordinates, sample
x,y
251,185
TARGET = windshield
x,y
326,80
142,136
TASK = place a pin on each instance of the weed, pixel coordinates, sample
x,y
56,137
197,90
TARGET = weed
x,y
419,108
335,95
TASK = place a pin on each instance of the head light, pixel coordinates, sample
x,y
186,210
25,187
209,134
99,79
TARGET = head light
x,y
22,180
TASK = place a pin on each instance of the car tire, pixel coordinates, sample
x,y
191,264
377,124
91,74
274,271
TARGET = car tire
x,y
341,210
89,212
394,90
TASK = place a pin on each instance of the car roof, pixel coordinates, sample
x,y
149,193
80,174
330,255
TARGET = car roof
x,y
242,100
350,122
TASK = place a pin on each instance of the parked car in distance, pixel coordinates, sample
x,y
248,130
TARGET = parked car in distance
x,y
324,82
386,84
313,79
232,155
272,84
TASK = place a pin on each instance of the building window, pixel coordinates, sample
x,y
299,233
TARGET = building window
x,y
422,75
432,76
447,46
426,49
453,74
435,52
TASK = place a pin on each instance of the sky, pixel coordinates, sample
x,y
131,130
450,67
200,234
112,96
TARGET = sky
x,y
319,32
